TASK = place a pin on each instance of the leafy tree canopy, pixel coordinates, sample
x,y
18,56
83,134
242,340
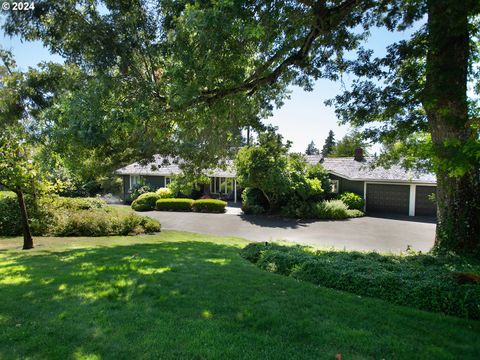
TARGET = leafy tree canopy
x,y
346,146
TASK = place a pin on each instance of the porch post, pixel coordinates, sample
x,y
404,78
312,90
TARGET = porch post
x,y
411,205
235,190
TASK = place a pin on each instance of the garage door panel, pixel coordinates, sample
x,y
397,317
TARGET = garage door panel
x,y
423,205
388,198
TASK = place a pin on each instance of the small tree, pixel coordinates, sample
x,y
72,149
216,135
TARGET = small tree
x,y
312,149
19,174
329,144
264,166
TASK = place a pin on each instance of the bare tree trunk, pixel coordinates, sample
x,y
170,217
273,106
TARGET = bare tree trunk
x,y
445,101
27,235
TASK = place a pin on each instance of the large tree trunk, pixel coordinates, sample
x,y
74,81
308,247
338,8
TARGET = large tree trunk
x,y
27,235
445,101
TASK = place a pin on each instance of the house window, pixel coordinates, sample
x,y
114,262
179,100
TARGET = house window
x,y
135,180
334,187
167,180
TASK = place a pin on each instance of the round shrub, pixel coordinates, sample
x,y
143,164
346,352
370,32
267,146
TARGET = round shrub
x,y
174,204
145,202
164,193
150,225
352,200
209,206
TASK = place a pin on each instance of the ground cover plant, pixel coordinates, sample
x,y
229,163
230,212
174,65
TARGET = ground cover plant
x,y
61,216
450,285
187,296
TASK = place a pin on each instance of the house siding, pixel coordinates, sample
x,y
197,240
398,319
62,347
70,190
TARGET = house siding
x,y
348,185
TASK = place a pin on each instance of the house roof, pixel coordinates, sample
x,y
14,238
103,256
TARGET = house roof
x,y
345,167
349,168
168,166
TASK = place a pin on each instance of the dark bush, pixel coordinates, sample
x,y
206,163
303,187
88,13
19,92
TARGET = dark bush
x,y
174,205
422,281
252,197
352,200
327,209
146,201
209,206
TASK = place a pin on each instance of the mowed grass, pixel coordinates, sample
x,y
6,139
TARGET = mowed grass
x,y
179,295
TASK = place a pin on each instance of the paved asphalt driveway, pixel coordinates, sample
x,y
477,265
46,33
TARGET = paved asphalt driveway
x,y
367,233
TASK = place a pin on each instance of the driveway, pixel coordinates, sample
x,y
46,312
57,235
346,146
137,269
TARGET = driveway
x,y
367,233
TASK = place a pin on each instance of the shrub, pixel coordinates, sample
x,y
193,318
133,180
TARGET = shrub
x,y
71,217
331,209
164,193
209,206
174,204
253,210
352,200
299,209
138,190
253,197
145,202
40,212
78,203
355,213
150,225
102,222
422,281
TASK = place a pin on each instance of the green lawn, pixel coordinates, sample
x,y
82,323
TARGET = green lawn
x,y
186,296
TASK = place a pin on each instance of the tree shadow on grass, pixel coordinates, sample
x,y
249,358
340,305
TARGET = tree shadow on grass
x,y
200,300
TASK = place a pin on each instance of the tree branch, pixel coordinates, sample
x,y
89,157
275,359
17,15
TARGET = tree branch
x,y
326,19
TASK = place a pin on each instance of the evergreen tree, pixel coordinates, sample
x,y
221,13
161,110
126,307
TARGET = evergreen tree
x,y
329,144
312,149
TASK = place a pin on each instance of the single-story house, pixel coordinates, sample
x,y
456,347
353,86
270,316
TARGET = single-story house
x,y
160,172
393,190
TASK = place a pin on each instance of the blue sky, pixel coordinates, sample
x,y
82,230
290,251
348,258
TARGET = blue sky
x,y
302,118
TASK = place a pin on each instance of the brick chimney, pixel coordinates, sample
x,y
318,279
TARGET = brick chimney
x,y
358,154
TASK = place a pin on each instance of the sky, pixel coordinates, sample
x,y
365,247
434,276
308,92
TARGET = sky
x,y
303,118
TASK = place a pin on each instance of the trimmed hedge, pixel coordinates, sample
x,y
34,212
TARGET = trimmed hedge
x,y
146,202
209,206
422,281
174,204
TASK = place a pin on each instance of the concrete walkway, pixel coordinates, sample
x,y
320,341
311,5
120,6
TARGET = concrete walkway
x,y
367,233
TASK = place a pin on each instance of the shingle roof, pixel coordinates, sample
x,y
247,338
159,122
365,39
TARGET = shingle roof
x,y
313,159
363,170
168,166
345,167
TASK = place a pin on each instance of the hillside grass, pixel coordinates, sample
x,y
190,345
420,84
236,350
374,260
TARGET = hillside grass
x,y
180,295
